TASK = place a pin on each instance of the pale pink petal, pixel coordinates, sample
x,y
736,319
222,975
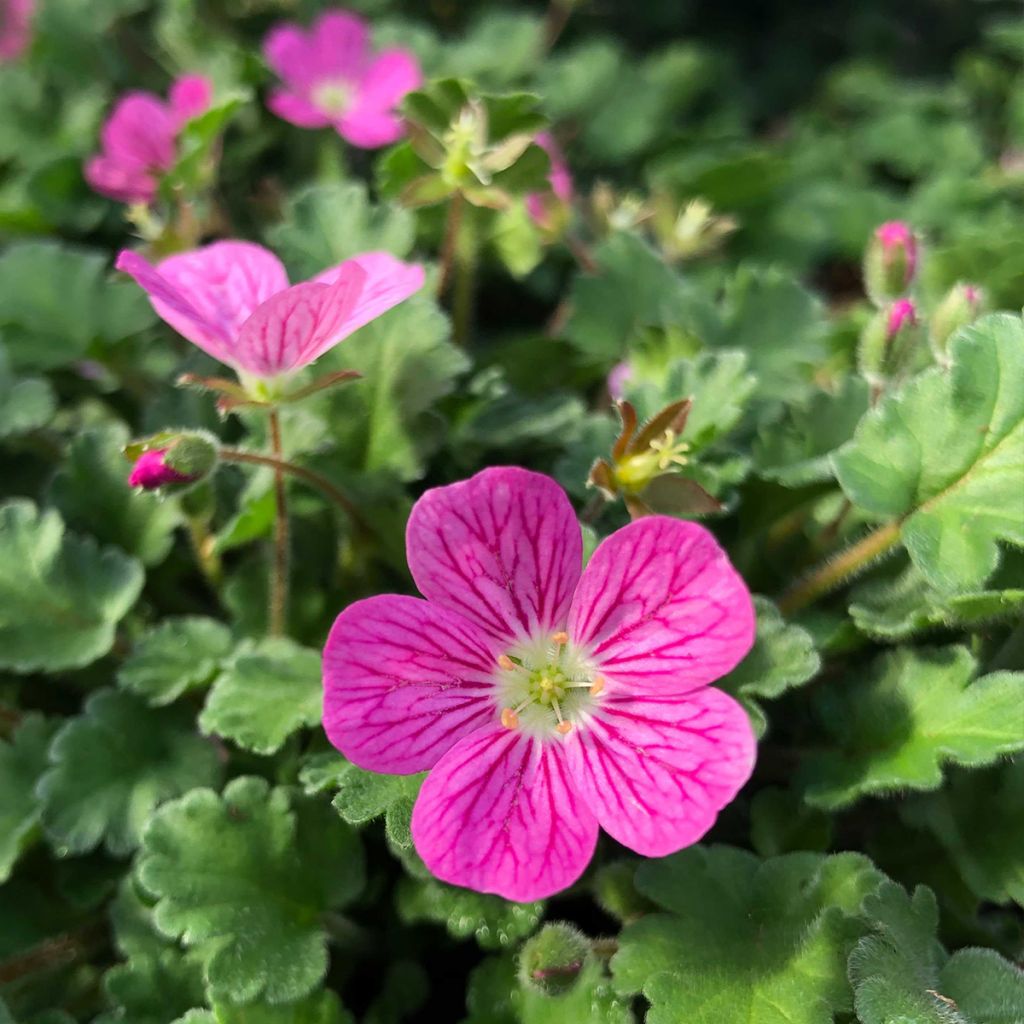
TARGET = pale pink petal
x,y
371,121
297,325
503,548
291,107
140,131
661,608
125,184
174,307
15,27
190,96
404,681
340,46
558,177
500,813
370,129
389,281
657,770
287,50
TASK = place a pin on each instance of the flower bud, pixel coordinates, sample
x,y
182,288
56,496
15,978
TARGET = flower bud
x,y
170,459
887,341
553,959
962,305
890,261
618,377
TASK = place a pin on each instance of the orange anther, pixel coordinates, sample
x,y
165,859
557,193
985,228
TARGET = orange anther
x,y
561,637
564,728
505,662
596,686
509,718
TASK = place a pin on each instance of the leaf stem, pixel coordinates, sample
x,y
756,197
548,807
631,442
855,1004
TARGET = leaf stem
x,y
593,509
449,244
279,571
836,570
56,952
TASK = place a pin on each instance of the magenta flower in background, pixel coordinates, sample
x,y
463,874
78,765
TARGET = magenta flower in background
x,y
618,377
333,78
232,299
545,700
15,28
899,242
151,471
559,179
902,313
139,140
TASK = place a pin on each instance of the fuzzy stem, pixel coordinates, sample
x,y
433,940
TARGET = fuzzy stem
x,y
449,245
593,509
55,952
835,571
463,291
279,572
555,20
206,556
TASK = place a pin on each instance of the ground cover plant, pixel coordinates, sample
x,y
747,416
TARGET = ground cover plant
x,y
511,513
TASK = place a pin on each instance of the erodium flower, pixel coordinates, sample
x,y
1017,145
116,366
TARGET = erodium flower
x,y
333,78
543,207
15,28
545,701
232,299
139,140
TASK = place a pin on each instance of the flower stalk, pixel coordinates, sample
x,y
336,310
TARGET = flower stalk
x,y
279,570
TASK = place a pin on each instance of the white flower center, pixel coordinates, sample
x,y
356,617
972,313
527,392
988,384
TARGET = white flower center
x,y
332,97
546,686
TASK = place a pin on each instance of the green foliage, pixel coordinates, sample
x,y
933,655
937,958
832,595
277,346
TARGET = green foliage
x,y
363,796
62,595
22,762
25,403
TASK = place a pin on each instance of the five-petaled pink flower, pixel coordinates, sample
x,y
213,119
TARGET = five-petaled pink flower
x,y
545,700
15,27
232,299
139,139
332,77
559,178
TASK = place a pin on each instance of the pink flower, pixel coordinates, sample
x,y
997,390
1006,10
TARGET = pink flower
x,y
15,28
151,471
899,243
332,77
139,140
559,179
545,701
232,299
618,377
902,313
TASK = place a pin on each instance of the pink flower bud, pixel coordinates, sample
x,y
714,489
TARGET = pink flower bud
x,y
152,471
890,262
902,313
618,378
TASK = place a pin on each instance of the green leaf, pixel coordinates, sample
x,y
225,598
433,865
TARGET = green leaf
x,y
780,822
22,762
326,224
55,301
153,990
899,608
268,691
499,48
149,756
914,711
492,921
198,142
178,655
945,454
797,451
986,988
319,1008
25,404
244,878
61,596
745,940
385,422
91,491
783,657
363,796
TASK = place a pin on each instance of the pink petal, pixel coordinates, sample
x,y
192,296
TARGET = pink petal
x,y
656,771
661,608
371,121
294,327
287,50
190,96
15,27
389,281
503,548
404,681
370,129
291,107
499,813
340,46
125,184
140,131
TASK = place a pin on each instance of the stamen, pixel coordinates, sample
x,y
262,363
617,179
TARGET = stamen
x,y
509,718
561,637
596,686
564,728
505,662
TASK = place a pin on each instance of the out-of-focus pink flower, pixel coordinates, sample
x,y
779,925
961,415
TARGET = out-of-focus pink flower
x,y
618,377
232,299
15,27
545,700
151,471
902,313
333,78
559,179
899,247
139,140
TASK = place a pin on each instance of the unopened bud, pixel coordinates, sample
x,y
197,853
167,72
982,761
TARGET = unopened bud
x,y
888,341
171,460
553,959
890,261
963,304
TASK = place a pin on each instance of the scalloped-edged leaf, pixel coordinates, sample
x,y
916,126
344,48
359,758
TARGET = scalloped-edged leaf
x,y
148,756
22,762
743,939
268,690
319,1008
180,654
25,403
363,796
945,455
245,877
153,990
61,596
92,494
912,712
